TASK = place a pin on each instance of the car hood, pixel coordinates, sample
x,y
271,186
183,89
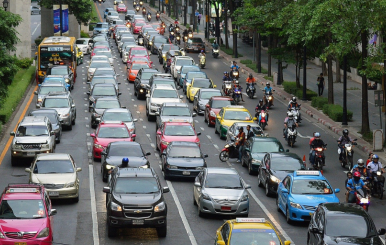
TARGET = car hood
x,y
31,140
100,96
99,111
215,110
281,174
81,45
218,193
314,200
176,118
203,101
258,156
133,161
144,81
62,111
160,101
352,240
186,162
105,141
138,199
15,225
181,138
60,178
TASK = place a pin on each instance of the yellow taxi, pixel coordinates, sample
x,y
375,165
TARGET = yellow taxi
x,y
79,56
251,231
228,116
197,84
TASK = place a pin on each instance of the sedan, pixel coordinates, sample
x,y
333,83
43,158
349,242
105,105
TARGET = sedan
x,y
184,70
202,97
196,85
195,44
141,82
55,120
64,71
45,89
121,8
189,77
94,65
213,107
35,10
221,191
99,106
182,159
102,90
58,173
119,115
132,71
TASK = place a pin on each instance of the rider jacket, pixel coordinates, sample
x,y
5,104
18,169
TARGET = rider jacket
x,y
344,140
261,107
293,105
317,143
226,78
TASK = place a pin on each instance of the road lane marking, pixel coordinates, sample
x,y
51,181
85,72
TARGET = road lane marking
x,y
18,121
95,234
35,29
202,128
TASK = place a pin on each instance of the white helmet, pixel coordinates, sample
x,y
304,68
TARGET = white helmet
x,y
290,114
237,82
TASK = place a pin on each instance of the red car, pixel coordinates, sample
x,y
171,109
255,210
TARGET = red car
x,y
26,216
132,71
109,132
98,48
139,58
121,8
138,51
137,26
214,106
175,131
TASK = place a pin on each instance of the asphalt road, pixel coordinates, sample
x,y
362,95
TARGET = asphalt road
x,y
74,225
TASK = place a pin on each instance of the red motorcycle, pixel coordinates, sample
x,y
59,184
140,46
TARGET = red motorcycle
x,y
229,151
263,119
362,199
319,158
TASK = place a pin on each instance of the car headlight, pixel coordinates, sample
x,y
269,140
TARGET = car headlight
x,y
40,100
205,196
2,235
164,55
164,142
244,198
45,146
295,205
98,146
274,179
65,115
115,207
171,167
141,90
69,185
150,43
44,233
67,80
144,166
108,166
160,207
200,168
212,114
270,97
364,200
16,146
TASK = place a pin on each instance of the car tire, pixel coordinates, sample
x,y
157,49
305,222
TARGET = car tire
x,y
70,126
287,216
76,199
250,171
267,191
200,214
194,201
162,231
111,231
13,161
104,176
259,183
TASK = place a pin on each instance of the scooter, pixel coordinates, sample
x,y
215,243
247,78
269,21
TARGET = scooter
x,y
229,151
215,53
268,98
134,4
227,88
292,133
140,41
296,113
178,39
148,17
251,90
143,12
319,158
137,8
348,154
140,3
190,34
157,16
202,61
378,183
362,199
263,119
185,38
235,74
237,95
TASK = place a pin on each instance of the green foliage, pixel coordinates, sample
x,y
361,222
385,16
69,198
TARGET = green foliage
x,y
319,102
187,26
245,62
24,63
229,51
15,92
38,40
290,87
335,112
8,22
268,78
84,35
81,9
211,40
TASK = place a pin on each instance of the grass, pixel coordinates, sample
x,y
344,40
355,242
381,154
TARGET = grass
x,y
229,51
94,17
269,78
252,65
368,137
16,92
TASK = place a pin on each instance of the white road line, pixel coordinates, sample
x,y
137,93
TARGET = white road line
x,y
95,234
35,29
216,146
138,112
304,137
141,119
144,126
135,105
132,99
208,136
202,128
182,214
152,145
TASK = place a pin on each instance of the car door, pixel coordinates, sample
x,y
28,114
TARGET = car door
x,y
265,165
72,108
207,108
196,189
225,233
218,119
247,152
285,195
280,195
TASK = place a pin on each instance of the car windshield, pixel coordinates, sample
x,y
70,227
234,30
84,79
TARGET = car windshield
x,y
125,150
136,185
22,209
267,146
95,50
104,91
100,65
195,40
190,68
311,186
113,14
60,71
217,104
176,111
202,83
224,181
100,72
54,80
192,75
107,104
101,25
117,116
179,130
53,167
349,226
138,52
97,80
255,129
208,95
129,46
160,40
101,41
51,116
137,66
237,115
170,82
185,152
81,41
147,75
113,132
185,62
103,52
48,89
254,236
163,93
56,103
103,58
285,164
32,130
128,40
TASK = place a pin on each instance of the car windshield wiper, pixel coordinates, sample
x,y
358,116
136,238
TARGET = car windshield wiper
x,y
40,135
40,217
51,172
225,187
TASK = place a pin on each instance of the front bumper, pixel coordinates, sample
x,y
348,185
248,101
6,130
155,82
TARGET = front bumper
x,y
31,241
153,110
300,214
63,193
66,120
181,173
28,154
213,207
151,222
97,152
195,49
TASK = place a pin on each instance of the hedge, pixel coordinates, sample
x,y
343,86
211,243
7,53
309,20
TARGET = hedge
x,y
15,92
229,51
290,87
335,112
319,102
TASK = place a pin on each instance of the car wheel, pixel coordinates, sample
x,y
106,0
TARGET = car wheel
x,y
259,183
194,201
250,171
76,199
13,161
70,126
104,175
111,231
267,191
200,214
162,231
287,216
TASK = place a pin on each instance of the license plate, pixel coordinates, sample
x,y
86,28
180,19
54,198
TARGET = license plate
x,y
53,193
30,153
138,222
20,243
186,173
223,208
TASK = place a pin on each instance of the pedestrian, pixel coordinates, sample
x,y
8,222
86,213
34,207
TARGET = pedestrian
x,y
320,83
240,142
199,18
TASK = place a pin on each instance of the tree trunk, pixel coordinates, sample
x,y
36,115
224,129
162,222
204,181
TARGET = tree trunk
x,y
298,62
258,51
337,63
365,106
226,25
217,23
330,80
269,56
324,69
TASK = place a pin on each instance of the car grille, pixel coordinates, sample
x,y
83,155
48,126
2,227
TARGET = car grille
x,y
187,168
311,208
31,146
53,186
20,235
136,212
226,201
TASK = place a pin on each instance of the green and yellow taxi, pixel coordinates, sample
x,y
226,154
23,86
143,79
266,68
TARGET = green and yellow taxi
x,y
197,84
228,116
79,56
251,231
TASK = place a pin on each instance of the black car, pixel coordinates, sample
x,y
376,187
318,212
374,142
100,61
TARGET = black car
x,y
202,98
103,79
115,151
256,148
142,80
342,223
182,159
194,44
102,90
100,105
55,120
65,71
134,198
275,167
129,15
156,43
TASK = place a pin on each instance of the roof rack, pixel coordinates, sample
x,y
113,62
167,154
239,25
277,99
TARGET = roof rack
x,y
24,188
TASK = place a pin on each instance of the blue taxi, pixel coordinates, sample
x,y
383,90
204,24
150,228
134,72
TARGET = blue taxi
x,y
300,193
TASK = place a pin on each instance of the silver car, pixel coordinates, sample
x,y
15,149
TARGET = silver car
x,y
173,111
221,191
45,89
84,44
94,65
159,94
119,115
35,10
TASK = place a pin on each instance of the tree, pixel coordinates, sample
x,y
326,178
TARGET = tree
x,y
81,9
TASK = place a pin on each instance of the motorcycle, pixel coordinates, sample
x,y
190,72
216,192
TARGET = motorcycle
x,y
227,88
377,184
362,199
251,90
348,154
140,41
171,37
202,61
319,158
263,119
268,98
237,95
229,151
190,34
296,113
215,53
178,39
177,29
134,4
143,12
185,38
140,3
292,133
149,17
137,8
157,16
235,74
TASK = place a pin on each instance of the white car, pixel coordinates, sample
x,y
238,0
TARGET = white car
x,y
84,44
178,62
35,10
159,94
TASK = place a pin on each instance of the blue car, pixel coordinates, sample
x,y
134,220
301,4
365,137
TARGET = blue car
x,y
182,73
106,11
56,79
300,193
190,75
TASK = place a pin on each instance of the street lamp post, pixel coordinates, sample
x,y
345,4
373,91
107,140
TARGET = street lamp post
x,y
5,4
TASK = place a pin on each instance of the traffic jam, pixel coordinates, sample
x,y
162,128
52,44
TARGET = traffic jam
x,y
176,149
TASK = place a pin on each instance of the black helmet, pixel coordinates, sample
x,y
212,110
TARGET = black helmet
x,y
345,132
250,75
261,101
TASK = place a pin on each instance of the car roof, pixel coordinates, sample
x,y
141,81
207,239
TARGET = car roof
x,y
270,139
33,120
216,170
129,143
202,79
148,69
208,90
106,68
307,174
136,172
59,67
108,98
346,208
174,104
194,71
53,156
234,107
83,38
43,111
177,123
112,125
58,95
51,85
103,76
285,155
244,124
9,194
184,57
163,86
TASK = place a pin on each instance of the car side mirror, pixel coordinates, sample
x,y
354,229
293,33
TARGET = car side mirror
x,y
178,87
12,133
118,83
52,212
38,106
135,120
73,105
255,119
214,86
197,184
157,113
287,242
78,169
147,154
207,105
119,94
133,136
382,231
218,117
92,135
194,114
106,189
147,95
158,132
316,230
36,92
206,155
337,190
165,189
88,66
247,149
28,170
181,96
284,190
198,133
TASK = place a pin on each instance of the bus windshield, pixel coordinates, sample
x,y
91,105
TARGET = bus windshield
x,y
54,58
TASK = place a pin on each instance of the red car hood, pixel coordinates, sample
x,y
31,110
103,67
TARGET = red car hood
x,y
105,141
15,225
181,138
137,27
215,110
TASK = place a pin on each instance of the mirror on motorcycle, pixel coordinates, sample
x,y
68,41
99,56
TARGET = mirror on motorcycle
x,y
355,139
382,231
337,190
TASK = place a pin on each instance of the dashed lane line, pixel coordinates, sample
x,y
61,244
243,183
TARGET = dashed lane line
x,y
95,233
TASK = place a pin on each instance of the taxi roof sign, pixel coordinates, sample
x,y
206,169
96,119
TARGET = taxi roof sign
x,y
308,172
250,220
22,190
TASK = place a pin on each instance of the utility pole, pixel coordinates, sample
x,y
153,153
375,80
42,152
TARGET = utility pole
x,y
305,73
344,116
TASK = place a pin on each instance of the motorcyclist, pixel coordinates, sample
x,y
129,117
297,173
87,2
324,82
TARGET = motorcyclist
x,y
226,76
168,64
234,66
158,14
124,164
251,80
201,54
143,10
344,139
267,89
148,14
316,143
354,184
215,45
237,85
349,176
259,107
289,121
360,167
185,33
171,28
375,166
171,37
176,22
294,105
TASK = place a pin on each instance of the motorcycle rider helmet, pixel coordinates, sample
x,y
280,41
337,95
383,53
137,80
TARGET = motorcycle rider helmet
x,y
345,132
294,99
375,156
290,115
261,101
125,162
250,75
360,163
236,82
357,176
202,51
267,84
317,135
